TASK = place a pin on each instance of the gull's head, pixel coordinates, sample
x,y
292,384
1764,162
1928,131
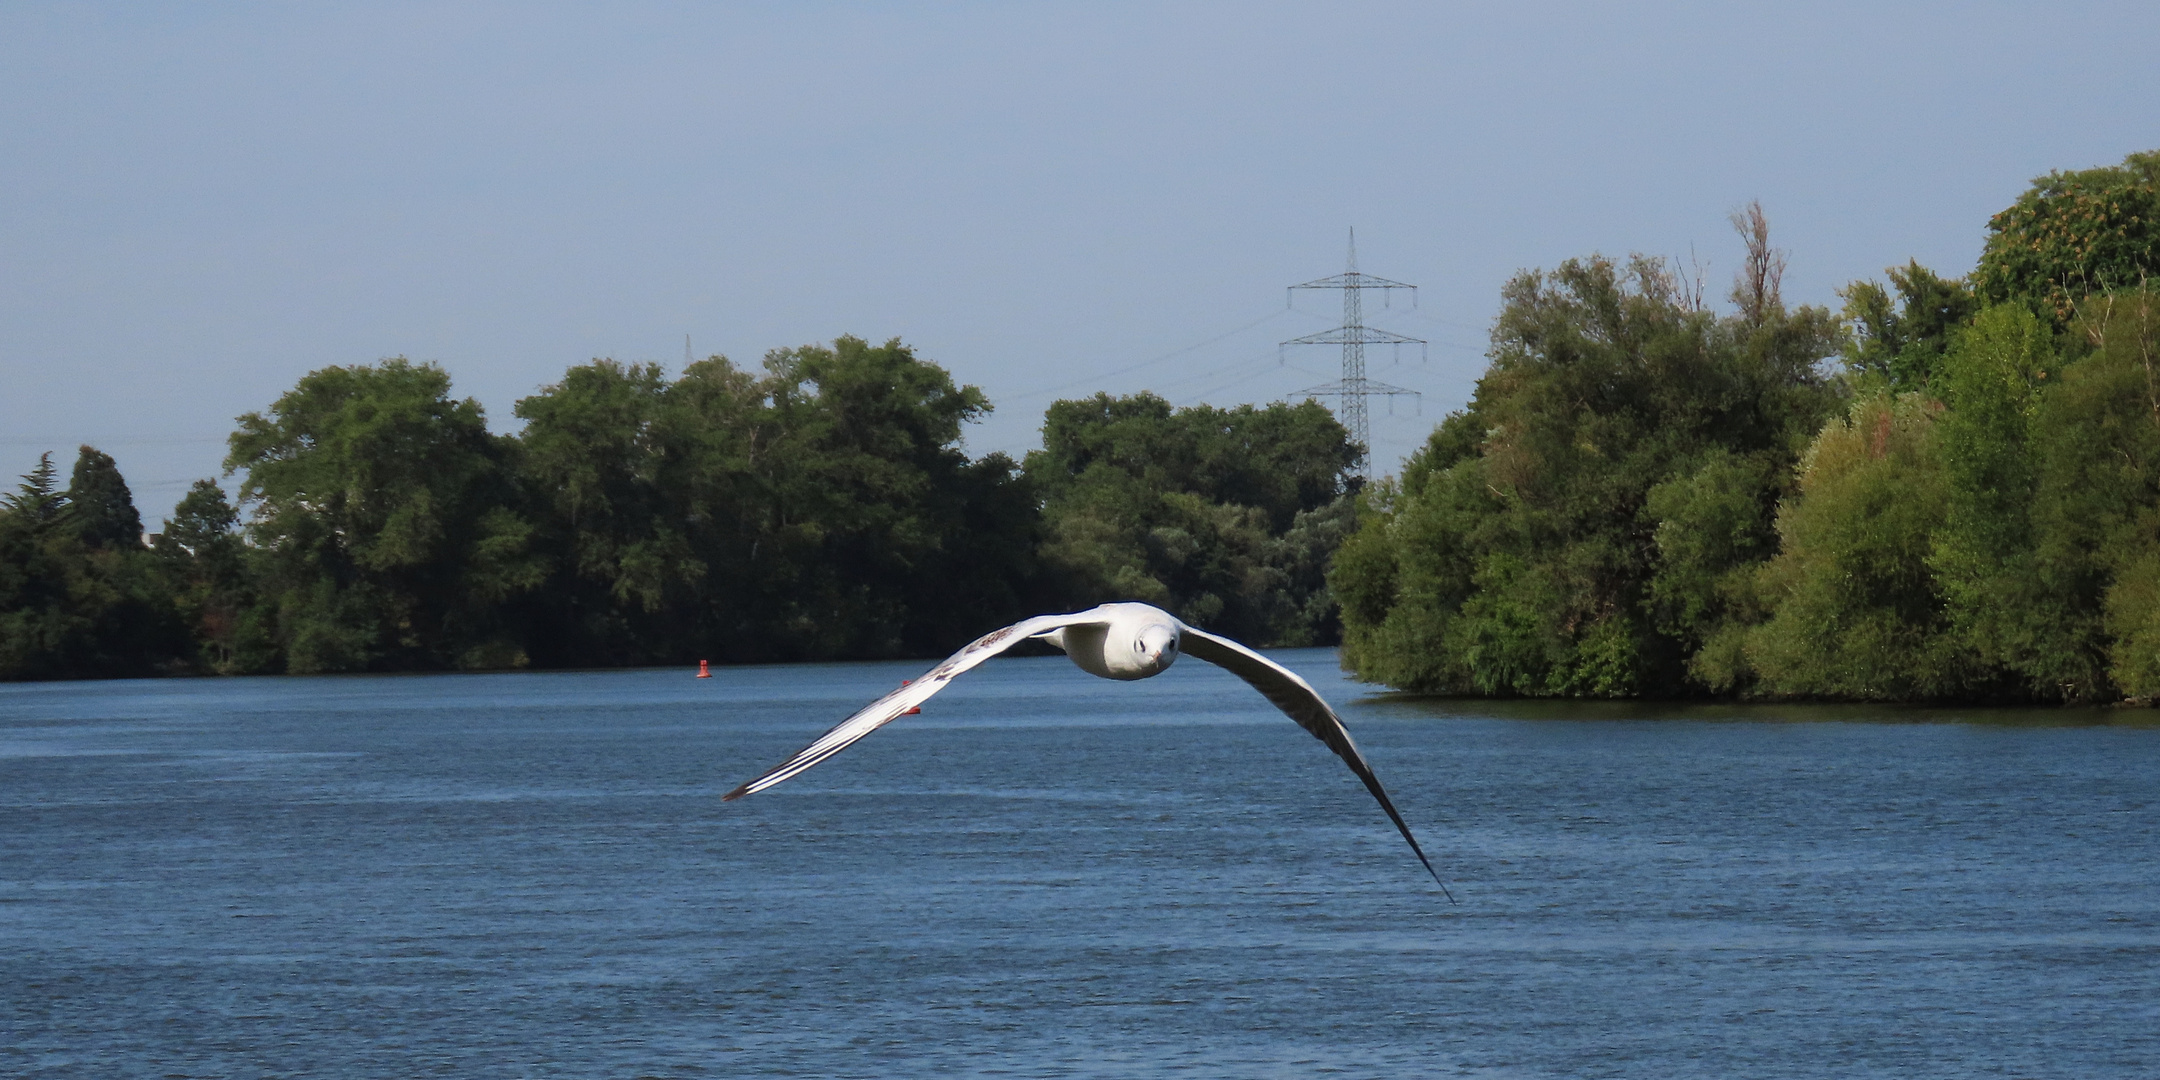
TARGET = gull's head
x,y
1158,643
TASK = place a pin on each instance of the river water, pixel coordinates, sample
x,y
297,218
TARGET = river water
x,y
1046,874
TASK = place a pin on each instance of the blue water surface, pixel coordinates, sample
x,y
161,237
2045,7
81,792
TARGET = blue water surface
x,y
1050,875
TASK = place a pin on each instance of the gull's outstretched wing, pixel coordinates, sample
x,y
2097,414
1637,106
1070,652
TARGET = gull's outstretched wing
x,y
1296,697
896,704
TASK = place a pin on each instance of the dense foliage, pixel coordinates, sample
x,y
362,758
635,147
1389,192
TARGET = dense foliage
x,y
1998,540
385,521
1643,498
1223,516
2074,235
1902,342
78,595
1581,527
820,508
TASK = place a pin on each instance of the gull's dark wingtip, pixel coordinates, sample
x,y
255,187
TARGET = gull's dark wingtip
x,y
1420,853
1443,886
745,790
1372,784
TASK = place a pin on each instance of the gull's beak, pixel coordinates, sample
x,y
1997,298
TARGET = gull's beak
x,y
1158,640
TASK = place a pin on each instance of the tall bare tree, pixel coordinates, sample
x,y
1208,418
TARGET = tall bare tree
x,y
1755,286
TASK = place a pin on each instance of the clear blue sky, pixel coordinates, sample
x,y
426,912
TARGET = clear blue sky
x,y
199,203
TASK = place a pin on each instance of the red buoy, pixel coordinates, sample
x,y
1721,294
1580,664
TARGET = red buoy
x,y
703,672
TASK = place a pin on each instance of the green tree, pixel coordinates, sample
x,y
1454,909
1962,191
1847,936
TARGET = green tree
x,y
1856,610
1902,342
104,510
75,601
1576,530
1999,541
2032,612
870,540
1714,531
383,511
2073,235
719,429
41,580
2096,509
593,453
206,564
1223,516
37,502
822,510
1281,459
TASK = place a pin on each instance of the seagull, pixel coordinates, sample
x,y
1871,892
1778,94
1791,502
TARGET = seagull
x,y
1114,641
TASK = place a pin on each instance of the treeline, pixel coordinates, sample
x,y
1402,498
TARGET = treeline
x,y
821,508
1949,490
1648,498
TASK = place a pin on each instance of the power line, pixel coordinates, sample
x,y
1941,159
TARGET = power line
x,y
152,440
1144,363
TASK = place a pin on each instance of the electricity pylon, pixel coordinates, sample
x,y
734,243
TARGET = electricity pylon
x,y
1353,335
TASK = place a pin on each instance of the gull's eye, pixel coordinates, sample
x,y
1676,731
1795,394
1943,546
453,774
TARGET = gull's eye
x,y
1138,646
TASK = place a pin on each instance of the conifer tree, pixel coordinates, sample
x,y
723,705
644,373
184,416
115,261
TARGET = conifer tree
x,y
104,511
37,503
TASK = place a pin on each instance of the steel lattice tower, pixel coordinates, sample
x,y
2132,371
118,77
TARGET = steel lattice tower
x,y
1353,335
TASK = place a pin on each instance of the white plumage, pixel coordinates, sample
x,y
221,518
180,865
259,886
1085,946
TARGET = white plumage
x,y
1114,641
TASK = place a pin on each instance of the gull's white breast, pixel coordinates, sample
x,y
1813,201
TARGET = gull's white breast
x,y
1119,647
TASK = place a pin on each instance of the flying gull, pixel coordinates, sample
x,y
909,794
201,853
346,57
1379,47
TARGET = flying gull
x,y
1114,641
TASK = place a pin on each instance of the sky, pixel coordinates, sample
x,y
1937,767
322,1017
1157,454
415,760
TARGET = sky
x,y
200,203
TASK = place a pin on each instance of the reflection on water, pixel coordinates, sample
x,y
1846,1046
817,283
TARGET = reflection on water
x,y
1390,703
1052,875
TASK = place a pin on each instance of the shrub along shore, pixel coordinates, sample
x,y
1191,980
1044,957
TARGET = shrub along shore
x,y
1947,491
